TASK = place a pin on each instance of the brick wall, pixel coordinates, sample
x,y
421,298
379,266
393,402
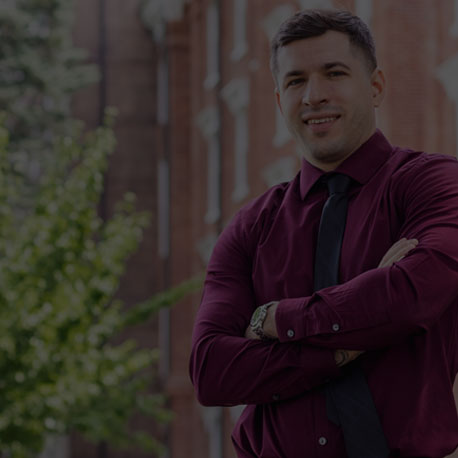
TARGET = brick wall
x,y
215,165
112,33
413,42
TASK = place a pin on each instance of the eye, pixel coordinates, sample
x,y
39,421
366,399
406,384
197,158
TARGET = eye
x,y
294,82
336,73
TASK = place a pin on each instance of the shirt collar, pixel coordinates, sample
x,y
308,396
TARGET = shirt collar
x,y
361,165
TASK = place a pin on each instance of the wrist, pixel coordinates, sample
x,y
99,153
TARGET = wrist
x,y
258,321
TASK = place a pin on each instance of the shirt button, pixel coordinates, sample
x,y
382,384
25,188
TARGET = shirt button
x,y
276,397
335,327
322,440
290,333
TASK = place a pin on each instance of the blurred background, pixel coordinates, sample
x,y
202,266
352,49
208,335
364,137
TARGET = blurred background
x,y
194,134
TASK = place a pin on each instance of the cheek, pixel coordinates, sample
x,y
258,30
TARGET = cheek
x,y
290,107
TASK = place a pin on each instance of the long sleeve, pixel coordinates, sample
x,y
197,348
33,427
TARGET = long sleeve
x,y
382,307
227,368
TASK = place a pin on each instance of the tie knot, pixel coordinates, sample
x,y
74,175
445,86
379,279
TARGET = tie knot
x,y
338,183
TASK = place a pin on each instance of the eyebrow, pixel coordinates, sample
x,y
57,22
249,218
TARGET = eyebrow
x,y
293,73
330,65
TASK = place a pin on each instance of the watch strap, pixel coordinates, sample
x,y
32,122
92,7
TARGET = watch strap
x,y
258,318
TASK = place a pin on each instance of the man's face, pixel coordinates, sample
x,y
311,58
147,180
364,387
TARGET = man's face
x,y
327,96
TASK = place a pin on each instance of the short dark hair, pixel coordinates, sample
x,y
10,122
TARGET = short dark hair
x,y
315,22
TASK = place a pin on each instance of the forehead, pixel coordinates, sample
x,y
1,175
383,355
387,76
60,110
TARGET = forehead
x,y
311,53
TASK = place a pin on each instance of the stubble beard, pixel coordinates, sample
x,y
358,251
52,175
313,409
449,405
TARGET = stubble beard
x,y
326,153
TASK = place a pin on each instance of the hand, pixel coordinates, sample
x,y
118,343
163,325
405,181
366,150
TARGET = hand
x,y
398,251
343,357
249,334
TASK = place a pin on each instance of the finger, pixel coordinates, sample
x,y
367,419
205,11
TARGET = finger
x,y
343,357
402,246
249,334
398,251
396,257
392,250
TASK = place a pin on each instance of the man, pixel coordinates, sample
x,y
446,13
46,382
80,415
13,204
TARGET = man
x,y
394,318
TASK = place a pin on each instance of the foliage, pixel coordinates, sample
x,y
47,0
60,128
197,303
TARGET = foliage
x,y
39,71
59,270
63,366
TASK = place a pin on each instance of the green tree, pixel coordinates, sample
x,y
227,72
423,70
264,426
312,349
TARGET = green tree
x,y
40,70
60,266
63,367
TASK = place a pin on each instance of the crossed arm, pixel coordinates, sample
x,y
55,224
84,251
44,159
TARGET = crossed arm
x,y
227,368
341,356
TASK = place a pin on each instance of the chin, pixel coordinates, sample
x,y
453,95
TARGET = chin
x,y
329,152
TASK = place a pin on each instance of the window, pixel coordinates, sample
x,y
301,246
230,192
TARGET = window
x,y
213,76
208,121
240,46
237,94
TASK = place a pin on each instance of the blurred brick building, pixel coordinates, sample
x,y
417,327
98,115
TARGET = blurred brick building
x,y
199,135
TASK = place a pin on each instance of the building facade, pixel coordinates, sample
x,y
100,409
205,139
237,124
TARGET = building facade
x,y
200,135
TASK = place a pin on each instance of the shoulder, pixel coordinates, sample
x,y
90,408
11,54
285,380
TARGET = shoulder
x,y
256,213
415,169
238,242
248,225
421,178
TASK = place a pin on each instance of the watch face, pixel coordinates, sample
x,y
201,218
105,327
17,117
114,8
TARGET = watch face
x,y
255,318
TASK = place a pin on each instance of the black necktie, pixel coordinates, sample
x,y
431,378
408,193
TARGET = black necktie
x,y
348,399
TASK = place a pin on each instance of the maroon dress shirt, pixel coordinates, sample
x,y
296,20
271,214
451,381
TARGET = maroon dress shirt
x,y
405,316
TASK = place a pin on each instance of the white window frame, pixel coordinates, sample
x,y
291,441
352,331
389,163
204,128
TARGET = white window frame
x,y
212,24
237,95
209,124
240,46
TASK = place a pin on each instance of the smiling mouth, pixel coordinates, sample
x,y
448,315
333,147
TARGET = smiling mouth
x,y
328,119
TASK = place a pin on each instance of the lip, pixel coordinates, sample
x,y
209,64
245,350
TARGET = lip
x,y
309,117
331,119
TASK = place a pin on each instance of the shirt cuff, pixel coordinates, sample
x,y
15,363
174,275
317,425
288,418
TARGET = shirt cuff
x,y
298,318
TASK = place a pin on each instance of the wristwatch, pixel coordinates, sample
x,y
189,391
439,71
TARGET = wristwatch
x,y
258,318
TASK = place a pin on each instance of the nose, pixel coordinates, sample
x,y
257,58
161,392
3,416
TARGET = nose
x,y
315,93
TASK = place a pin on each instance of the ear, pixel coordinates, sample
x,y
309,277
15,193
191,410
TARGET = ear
x,y
278,99
378,87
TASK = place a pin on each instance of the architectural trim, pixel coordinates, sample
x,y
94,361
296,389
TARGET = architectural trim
x,y
454,28
163,209
236,94
235,412
156,14
364,9
205,247
280,171
213,421
162,92
208,121
447,74
209,124
240,46
315,4
213,46
272,21
56,447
